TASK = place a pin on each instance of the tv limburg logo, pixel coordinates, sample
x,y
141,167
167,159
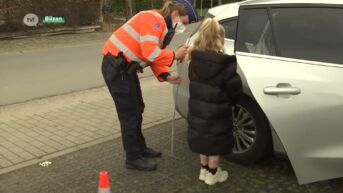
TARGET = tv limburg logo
x,y
31,19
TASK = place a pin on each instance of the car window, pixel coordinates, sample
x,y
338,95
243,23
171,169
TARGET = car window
x,y
230,27
309,33
254,33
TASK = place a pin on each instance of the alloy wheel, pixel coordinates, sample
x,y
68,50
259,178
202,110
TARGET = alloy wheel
x,y
244,130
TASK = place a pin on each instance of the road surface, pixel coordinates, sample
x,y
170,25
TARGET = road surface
x,y
39,73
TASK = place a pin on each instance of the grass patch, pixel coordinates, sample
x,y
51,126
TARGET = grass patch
x,y
202,12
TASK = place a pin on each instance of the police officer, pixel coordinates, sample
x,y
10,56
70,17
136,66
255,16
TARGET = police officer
x,y
139,43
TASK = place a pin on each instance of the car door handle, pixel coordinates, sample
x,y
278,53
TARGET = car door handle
x,y
282,88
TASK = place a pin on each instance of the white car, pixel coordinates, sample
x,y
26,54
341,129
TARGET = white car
x,y
291,63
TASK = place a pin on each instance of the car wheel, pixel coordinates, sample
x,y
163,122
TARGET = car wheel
x,y
252,135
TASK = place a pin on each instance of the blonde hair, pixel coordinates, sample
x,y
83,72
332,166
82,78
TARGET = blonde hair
x,y
170,6
210,37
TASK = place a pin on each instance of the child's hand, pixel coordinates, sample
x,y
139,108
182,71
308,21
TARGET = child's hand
x,y
174,79
181,52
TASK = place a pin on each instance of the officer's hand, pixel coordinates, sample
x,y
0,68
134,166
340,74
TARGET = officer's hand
x,y
181,52
174,79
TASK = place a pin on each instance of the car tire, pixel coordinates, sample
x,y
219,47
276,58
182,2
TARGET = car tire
x,y
263,145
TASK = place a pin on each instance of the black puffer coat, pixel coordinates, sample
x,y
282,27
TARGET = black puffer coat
x,y
214,86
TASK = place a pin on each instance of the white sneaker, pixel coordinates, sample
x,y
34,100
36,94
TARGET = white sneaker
x,y
203,174
219,176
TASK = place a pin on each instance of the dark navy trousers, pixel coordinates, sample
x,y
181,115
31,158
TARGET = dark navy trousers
x,y
127,95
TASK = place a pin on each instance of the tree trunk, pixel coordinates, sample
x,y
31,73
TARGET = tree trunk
x,y
194,3
201,7
152,4
130,7
101,18
133,5
220,2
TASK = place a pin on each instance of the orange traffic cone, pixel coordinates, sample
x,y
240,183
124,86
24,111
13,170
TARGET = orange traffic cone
x,y
104,183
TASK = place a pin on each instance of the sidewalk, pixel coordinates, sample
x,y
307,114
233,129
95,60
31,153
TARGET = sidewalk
x,y
42,129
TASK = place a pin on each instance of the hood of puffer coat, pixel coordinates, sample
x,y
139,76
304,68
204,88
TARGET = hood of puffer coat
x,y
206,64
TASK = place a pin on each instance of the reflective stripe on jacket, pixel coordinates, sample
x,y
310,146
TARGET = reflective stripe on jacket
x,y
140,40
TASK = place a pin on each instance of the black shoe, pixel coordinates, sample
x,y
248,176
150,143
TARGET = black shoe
x,y
141,164
150,153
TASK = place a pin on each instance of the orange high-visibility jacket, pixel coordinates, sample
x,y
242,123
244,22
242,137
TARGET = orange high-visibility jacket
x,y
140,40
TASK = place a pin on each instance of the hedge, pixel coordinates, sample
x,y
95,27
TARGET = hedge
x,y
118,6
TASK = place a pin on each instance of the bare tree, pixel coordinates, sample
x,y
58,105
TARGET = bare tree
x,y
131,8
101,18
201,2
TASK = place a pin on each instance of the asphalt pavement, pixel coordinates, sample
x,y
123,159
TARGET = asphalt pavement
x,y
78,172
39,67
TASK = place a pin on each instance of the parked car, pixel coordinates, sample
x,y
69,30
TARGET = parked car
x,y
291,63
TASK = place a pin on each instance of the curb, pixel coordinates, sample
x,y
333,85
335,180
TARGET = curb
x,y
50,32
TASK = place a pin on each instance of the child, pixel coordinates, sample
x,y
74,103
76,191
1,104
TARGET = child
x,y
214,86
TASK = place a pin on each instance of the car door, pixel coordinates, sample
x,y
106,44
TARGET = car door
x,y
291,59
